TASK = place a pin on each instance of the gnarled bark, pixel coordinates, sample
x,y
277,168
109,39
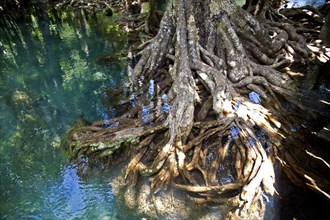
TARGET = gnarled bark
x,y
218,68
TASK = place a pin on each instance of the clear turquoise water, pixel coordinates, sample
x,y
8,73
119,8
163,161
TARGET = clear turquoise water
x,y
49,78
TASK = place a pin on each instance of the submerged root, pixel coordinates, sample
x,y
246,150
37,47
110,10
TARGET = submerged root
x,y
208,118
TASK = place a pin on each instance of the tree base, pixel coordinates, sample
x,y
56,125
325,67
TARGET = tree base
x,y
214,107
173,204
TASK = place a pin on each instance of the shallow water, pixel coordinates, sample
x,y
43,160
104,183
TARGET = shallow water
x,y
49,78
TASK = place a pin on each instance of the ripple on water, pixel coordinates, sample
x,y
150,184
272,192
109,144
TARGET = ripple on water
x,y
40,97
73,198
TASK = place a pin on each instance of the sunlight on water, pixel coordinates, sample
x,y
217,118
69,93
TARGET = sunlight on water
x,y
73,198
55,69
50,77
300,3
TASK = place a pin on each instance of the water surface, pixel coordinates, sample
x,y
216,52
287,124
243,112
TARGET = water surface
x,y
51,75
52,72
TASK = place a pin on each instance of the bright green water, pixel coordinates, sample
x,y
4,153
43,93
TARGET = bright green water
x,y
48,79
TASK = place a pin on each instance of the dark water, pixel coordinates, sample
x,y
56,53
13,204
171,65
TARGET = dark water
x,y
49,78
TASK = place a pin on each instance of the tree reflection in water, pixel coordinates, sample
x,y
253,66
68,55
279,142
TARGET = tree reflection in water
x,y
48,79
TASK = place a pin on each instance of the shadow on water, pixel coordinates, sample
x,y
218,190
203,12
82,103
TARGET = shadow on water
x,y
48,79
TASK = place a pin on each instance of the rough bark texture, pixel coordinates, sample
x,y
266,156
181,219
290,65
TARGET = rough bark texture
x,y
325,32
211,115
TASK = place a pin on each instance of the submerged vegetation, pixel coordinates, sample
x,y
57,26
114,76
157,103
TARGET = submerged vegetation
x,y
40,96
221,100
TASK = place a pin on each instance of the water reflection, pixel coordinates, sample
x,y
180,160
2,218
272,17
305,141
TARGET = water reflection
x,y
48,78
300,3
72,198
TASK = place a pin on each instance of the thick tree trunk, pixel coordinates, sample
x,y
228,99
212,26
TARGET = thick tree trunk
x,y
217,67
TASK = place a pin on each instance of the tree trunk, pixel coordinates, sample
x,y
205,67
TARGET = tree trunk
x,y
325,31
211,87
152,20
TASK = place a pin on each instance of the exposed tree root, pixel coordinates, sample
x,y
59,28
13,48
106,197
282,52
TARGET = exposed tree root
x,y
209,116
90,6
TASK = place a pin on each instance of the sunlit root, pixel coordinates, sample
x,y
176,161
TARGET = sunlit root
x,y
209,189
209,117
